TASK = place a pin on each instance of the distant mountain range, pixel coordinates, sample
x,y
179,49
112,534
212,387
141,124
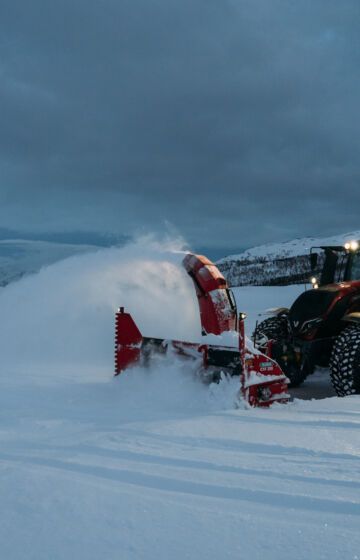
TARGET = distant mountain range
x,y
23,253
20,257
276,263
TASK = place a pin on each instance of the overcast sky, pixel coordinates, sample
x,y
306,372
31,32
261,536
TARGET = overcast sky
x,y
235,122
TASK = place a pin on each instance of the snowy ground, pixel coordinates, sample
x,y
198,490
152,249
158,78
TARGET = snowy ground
x,y
154,465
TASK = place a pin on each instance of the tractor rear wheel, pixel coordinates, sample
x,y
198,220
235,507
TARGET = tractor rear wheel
x,y
345,362
296,364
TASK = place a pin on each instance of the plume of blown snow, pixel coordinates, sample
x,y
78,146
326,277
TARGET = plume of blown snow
x,y
57,327
65,313
170,386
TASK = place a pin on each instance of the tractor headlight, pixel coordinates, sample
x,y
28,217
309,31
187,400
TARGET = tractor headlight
x,y
351,245
314,282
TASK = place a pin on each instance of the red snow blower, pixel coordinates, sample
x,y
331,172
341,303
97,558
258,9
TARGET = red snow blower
x,y
262,381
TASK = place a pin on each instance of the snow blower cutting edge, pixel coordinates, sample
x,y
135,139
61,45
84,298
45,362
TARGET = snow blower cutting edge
x,y
262,382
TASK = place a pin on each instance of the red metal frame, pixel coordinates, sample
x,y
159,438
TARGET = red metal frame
x,y
128,341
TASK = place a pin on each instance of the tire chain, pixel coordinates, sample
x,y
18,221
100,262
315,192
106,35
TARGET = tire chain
x,y
345,362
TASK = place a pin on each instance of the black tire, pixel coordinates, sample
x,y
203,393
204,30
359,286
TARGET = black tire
x,y
273,328
277,329
345,362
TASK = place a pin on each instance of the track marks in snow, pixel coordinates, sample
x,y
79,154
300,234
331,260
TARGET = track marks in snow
x,y
248,447
87,455
176,485
328,424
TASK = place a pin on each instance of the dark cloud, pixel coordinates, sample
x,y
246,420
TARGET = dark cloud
x,y
235,120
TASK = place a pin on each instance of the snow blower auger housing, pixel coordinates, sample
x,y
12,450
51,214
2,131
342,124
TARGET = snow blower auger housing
x,y
262,382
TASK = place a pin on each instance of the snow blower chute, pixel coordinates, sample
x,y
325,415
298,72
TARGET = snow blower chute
x,y
262,382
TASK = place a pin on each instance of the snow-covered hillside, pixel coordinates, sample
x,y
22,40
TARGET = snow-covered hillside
x,y
153,464
276,263
20,257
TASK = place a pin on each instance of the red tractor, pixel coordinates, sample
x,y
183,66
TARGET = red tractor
x,y
262,381
322,327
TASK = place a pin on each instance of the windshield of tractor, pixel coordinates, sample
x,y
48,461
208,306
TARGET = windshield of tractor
x,y
355,267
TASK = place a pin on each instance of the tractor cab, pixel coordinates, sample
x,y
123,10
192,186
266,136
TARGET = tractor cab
x,y
318,313
335,264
